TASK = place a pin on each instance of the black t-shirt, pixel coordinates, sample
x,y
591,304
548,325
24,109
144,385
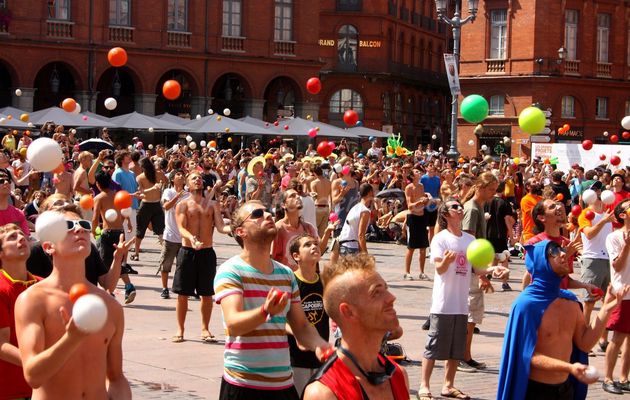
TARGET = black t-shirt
x,y
39,263
562,187
313,305
209,179
498,209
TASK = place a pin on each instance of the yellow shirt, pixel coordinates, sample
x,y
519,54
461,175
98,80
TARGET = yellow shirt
x,y
509,188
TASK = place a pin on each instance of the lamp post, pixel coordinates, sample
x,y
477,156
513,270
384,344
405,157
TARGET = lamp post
x,y
456,22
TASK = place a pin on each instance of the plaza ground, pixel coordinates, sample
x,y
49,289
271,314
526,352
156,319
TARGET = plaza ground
x,y
159,369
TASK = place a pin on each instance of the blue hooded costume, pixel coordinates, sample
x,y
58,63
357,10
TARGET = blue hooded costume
x,y
521,332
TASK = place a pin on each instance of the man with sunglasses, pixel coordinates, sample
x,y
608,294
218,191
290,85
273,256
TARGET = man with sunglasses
x,y
196,218
258,297
8,213
59,360
14,279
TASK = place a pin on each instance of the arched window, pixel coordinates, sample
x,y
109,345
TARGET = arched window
x,y
347,47
343,100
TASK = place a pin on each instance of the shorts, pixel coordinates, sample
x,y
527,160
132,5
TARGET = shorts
x,y
619,320
153,213
195,272
476,306
547,391
430,218
446,339
168,254
105,245
500,245
345,250
595,271
417,234
233,392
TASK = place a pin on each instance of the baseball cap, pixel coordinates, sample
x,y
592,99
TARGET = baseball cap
x,y
597,185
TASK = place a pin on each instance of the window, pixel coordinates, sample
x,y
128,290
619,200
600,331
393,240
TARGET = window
x,y
628,49
498,34
178,15
568,107
3,3
346,99
232,18
347,45
119,13
59,9
570,34
601,108
349,5
387,107
283,31
497,103
603,34
627,107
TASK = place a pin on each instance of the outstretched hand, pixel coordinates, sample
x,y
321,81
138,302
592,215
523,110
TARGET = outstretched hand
x,y
122,247
615,297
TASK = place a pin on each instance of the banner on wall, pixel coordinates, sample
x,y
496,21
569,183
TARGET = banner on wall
x,y
573,153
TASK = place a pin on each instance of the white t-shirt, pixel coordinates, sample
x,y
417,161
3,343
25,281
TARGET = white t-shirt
x,y
450,289
171,232
308,210
596,247
375,151
614,245
350,230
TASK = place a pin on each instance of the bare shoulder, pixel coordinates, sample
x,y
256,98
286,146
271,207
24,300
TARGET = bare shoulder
x,y
31,301
318,391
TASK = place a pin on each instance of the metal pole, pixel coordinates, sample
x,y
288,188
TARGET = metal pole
x,y
455,22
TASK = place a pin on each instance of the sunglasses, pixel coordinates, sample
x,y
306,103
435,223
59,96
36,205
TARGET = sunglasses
x,y
555,251
83,224
456,207
4,181
255,214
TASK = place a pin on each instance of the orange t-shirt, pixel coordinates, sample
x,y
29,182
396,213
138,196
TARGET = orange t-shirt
x,y
527,205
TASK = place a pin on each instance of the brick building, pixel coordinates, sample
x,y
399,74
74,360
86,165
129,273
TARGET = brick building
x,y
571,57
381,57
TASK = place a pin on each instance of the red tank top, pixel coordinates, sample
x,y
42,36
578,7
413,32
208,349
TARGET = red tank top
x,y
342,382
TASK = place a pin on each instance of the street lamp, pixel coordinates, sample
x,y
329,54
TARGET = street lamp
x,y
456,22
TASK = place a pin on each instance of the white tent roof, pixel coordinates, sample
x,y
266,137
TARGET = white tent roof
x,y
136,120
61,117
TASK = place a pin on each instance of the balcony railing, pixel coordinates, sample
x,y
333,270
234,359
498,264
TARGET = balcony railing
x,y
604,70
284,48
179,39
121,34
233,43
60,29
572,67
495,66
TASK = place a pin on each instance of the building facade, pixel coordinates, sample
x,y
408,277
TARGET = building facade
x,y
571,58
383,58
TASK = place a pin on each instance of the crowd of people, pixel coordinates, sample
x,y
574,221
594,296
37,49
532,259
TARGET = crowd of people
x,y
282,302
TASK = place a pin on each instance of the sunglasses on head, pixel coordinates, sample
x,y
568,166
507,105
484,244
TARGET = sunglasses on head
x,y
83,224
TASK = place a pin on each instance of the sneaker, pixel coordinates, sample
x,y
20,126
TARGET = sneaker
x,y
506,287
476,364
130,293
611,387
165,294
424,277
126,269
408,277
464,367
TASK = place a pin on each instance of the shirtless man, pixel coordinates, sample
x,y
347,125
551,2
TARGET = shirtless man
x,y
321,185
80,184
196,261
59,360
64,183
417,227
547,338
112,231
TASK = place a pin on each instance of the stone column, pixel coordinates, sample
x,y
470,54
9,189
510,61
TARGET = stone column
x,y
254,108
145,103
198,106
303,110
25,101
87,101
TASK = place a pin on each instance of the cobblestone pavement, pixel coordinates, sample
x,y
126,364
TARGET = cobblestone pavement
x,y
159,369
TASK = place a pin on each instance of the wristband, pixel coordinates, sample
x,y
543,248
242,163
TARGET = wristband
x,y
267,315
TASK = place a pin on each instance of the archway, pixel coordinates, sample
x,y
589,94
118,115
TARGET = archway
x,y
54,82
121,84
182,106
281,95
231,91
6,84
